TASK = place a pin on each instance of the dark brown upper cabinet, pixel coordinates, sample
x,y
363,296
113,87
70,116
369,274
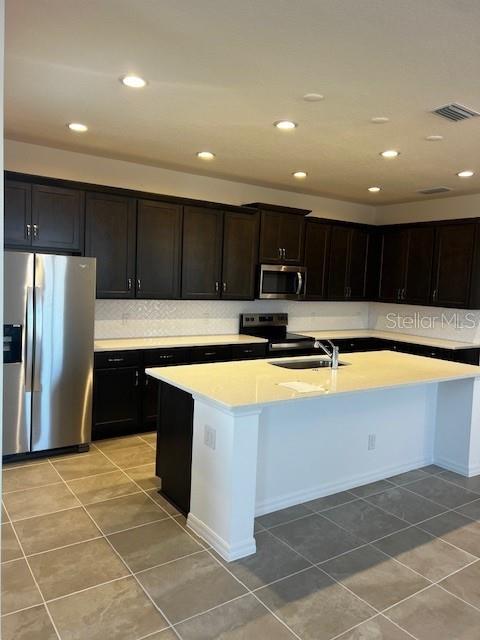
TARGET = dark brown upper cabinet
x,y
317,240
44,217
110,236
393,264
453,260
202,253
18,214
419,265
347,270
159,245
281,237
240,249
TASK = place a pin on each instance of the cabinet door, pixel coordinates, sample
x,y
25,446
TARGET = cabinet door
x,y
18,214
115,402
202,253
392,266
418,274
317,239
159,233
270,247
57,218
338,263
453,263
292,234
240,248
110,237
357,264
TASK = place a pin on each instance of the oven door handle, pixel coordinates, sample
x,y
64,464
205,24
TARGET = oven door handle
x,y
299,283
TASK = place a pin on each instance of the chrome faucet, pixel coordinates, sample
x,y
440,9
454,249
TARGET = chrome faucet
x,y
333,354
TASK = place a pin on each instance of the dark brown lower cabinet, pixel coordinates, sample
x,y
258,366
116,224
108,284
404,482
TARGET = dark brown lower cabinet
x,y
116,402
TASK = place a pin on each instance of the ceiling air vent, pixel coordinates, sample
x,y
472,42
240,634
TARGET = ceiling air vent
x,y
432,190
456,112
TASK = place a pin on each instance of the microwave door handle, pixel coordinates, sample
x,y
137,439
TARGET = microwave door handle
x,y
29,340
300,283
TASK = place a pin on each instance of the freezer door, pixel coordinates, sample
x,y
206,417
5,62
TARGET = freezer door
x,y
17,374
63,362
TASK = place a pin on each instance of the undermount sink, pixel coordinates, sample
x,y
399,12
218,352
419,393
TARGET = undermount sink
x,y
305,364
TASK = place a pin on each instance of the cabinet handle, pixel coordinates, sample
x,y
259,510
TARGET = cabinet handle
x,y
139,284
217,287
248,351
136,378
224,287
280,254
129,284
166,357
284,253
115,359
435,293
404,294
29,230
210,353
35,231
349,291
146,381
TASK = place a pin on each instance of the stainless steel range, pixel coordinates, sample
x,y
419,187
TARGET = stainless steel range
x,y
273,327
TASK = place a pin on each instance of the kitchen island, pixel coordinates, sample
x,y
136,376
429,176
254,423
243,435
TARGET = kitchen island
x,y
267,437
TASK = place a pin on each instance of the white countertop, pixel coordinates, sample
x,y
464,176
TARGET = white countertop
x,y
346,334
250,383
126,344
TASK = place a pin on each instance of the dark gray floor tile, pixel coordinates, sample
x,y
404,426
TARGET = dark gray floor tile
x,y
118,610
131,456
55,530
432,469
28,477
434,614
456,529
144,476
429,556
18,587
165,504
80,566
167,634
126,512
284,515
111,444
374,577
152,544
190,586
182,521
87,464
103,487
316,538
365,520
320,504
445,493
465,584
378,628
371,488
313,606
272,561
471,510
9,549
409,476
30,624
406,505
243,619
39,501
472,484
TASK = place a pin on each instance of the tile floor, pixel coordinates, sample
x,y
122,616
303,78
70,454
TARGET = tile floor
x,y
92,552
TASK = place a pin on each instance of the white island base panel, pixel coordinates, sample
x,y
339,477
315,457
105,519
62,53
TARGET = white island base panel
x,y
248,462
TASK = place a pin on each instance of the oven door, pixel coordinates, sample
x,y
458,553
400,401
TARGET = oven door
x,y
282,282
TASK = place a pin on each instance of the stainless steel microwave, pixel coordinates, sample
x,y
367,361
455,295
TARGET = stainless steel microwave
x,y
282,282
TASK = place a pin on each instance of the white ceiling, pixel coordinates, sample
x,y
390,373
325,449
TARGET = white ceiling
x,y
220,72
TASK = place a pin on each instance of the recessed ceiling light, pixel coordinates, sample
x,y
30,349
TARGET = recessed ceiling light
x,y
134,82
434,138
380,120
77,126
465,174
374,189
313,97
299,174
390,153
205,155
285,124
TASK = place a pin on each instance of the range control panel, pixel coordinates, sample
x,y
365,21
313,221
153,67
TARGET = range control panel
x,y
248,320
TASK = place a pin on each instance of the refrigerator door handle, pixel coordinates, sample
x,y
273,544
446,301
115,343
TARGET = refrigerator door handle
x,y
38,338
29,340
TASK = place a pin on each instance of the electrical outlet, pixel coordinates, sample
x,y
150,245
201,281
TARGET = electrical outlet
x,y
372,438
210,437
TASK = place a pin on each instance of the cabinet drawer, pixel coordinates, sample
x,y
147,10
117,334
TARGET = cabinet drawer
x,y
210,354
248,351
165,357
116,359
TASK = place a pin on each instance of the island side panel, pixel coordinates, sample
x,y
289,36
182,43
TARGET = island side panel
x,y
224,465
319,446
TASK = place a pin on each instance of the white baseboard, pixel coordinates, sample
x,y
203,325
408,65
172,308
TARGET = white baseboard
x,y
462,469
226,551
297,497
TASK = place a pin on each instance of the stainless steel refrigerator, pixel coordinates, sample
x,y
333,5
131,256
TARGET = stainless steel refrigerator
x,y
48,351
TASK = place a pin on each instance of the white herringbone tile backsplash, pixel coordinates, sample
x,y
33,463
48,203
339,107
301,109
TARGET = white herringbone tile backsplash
x,y
146,318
